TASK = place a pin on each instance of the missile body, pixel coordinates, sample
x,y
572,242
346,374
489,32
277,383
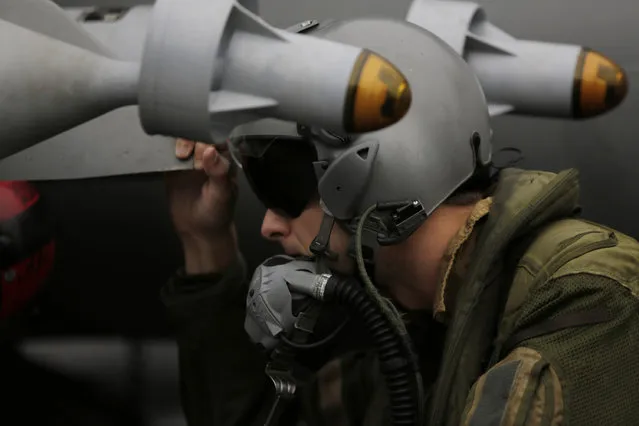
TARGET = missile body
x,y
555,80
210,66
539,79
207,67
48,86
525,77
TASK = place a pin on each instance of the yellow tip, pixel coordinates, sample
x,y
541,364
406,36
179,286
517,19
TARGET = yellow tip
x,y
599,85
378,95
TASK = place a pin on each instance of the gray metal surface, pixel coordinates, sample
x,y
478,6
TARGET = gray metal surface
x,y
49,87
112,144
192,84
210,66
537,79
45,17
450,21
124,37
519,76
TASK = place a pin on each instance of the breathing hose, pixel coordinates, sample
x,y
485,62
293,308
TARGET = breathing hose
x,y
278,278
395,364
389,312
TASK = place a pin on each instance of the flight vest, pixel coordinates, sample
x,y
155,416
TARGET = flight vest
x,y
532,236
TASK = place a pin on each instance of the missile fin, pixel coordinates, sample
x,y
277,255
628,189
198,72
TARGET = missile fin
x,y
227,101
244,19
49,19
499,109
478,43
251,5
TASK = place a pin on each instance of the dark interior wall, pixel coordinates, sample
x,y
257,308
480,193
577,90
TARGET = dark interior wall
x,y
116,247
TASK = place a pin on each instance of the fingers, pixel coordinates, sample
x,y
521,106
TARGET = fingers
x,y
215,165
183,148
199,153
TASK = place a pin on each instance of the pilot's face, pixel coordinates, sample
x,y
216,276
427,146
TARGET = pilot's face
x,y
296,235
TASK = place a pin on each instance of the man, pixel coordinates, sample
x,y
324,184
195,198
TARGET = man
x,y
521,313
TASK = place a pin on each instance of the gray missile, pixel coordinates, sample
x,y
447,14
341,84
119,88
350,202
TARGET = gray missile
x,y
524,77
209,66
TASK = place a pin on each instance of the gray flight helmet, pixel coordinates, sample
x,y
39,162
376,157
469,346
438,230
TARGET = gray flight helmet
x,y
439,144
430,152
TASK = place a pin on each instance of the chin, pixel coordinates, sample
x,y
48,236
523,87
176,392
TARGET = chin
x,y
343,267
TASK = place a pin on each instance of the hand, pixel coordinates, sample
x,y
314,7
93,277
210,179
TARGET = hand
x,y
202,204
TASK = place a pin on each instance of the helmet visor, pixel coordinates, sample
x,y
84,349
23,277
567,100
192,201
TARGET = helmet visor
x,y
279,169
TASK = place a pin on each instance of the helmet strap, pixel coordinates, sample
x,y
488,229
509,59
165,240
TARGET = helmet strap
x,y
320,245
398,222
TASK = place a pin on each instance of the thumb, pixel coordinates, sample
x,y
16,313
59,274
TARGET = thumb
x,y
215,165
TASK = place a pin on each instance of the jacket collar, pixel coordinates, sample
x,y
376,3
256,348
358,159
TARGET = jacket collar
x,y
456,261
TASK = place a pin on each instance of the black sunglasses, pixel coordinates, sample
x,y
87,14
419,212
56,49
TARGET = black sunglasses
x,y
279,170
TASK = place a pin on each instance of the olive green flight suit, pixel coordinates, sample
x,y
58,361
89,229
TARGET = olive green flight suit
x,y
536,322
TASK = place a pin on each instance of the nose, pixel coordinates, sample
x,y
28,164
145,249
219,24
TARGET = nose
x,y
274,226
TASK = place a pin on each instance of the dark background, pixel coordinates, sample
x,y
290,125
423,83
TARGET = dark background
x,y
102,320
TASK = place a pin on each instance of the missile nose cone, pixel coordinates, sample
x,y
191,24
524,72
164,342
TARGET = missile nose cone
x,y
599,85
378,94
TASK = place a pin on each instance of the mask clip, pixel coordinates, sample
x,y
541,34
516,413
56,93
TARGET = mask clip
x,y
319,246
